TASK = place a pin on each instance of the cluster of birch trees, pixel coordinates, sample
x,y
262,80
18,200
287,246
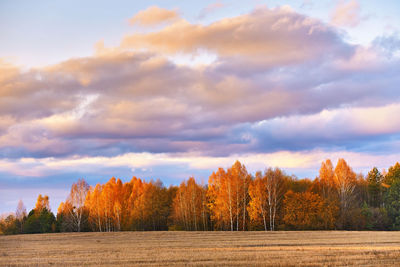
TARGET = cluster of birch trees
x,y
233,200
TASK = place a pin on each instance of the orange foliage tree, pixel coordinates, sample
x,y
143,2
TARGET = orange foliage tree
x,y
307,211
189,210
258,204
135,205
266,194
228,197
93,203
220,196
345,182
232,200
42,202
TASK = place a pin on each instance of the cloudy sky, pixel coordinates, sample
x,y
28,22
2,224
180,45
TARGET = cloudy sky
x,y
170,89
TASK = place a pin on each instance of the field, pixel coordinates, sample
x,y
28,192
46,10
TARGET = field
x,y
202,248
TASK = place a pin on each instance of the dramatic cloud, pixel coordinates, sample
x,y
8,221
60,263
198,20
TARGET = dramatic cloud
x,y
282,88
153,16
273,68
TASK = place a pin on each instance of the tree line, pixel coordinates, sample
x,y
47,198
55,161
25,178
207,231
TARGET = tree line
x,y
233,200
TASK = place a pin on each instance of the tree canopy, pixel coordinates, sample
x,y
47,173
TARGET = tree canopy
x,y
233,200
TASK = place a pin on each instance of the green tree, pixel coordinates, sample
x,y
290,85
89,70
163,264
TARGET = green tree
x,y
42,221
393,174
393,204
375,218
374,180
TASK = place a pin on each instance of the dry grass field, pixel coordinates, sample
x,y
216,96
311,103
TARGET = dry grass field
x,y
335,248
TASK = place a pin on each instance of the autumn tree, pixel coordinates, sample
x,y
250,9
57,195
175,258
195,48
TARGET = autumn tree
x,y
258,204
345,183
238,175
299,185
13,223
221,199
8,225
275,186
126,207
228,197
114,202
308,211
190,206
76,199
151,207
65,221
107,205
20,215
161,206
20,212
93,204
42,203
266,194
134,191
232,200
326,184
135,205
180,211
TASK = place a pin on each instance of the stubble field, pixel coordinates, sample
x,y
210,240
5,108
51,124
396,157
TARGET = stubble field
x,y
316,248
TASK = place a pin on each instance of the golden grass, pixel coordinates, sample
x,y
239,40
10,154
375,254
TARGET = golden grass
x,y
318,248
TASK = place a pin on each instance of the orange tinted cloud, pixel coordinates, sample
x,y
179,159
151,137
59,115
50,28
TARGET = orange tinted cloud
x,y
153,15
7,72
265,35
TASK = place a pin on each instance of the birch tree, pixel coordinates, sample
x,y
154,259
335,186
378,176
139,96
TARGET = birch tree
x,y
76,198
258,204
345,183
275,191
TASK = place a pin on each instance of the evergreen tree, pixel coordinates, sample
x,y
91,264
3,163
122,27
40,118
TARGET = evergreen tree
x,y
393,204
374,188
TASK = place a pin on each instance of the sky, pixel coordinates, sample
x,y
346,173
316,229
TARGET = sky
x,y
173,89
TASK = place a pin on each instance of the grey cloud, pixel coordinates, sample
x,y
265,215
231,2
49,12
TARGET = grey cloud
x,y
389,44
140,101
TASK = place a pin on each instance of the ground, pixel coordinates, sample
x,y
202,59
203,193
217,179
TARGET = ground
x,y
314,248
